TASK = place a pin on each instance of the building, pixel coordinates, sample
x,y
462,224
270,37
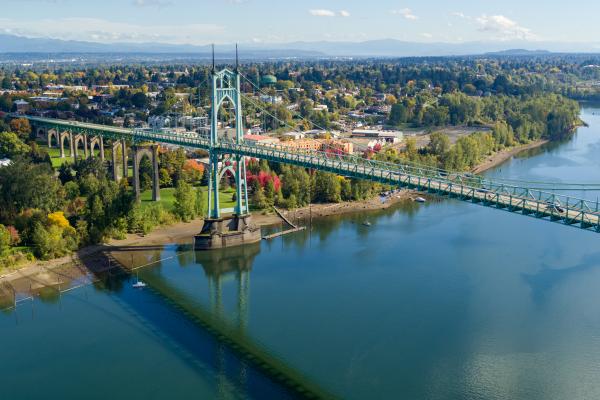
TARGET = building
x,y
321,107
260,139
294,135
320,145
389,137
158,122
268,80
271,99
304,144
4,162
22,106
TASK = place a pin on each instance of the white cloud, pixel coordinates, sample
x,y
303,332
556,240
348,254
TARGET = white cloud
x,y
151,3
100,30
504,28
406,13
344,13
459,14
322,13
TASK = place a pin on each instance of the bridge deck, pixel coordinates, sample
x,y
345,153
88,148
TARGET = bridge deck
x,y
523,200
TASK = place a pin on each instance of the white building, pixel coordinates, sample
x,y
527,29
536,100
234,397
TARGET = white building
x,y
271,99
4,162
294,135
389,137
159,122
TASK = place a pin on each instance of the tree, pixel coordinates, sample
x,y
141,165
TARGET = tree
x,y
185,201
26,185
200,202
11,145
398,114
327,188
5,240
139,100
439,144
21,127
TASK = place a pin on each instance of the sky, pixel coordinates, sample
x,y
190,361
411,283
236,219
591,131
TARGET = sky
x,y
269,21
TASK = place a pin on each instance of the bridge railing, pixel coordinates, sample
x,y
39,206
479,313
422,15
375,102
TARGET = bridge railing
x,y
350,164
353,164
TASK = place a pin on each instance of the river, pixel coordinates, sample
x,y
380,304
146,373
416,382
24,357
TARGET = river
x,y
443,301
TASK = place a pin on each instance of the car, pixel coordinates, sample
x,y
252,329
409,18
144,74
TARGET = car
x,y
555,208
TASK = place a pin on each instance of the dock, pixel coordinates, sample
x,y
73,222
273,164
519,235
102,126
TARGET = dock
x,y
293,229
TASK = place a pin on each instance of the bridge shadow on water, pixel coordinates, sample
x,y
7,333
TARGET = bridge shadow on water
x,y
542,282
200,334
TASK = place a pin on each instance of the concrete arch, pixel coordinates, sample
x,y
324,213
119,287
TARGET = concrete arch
x,y
52,133
225,169
77,140
97,141
115,162
139,152
69,137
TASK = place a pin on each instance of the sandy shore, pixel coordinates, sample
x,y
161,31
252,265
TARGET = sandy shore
x,y
94,258
502,156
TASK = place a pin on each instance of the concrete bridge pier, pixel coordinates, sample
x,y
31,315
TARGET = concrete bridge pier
x,y
151,152
97,141
115,166
68,135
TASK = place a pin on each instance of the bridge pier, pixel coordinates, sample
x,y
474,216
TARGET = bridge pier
x,y
79,138
115,167
138,153
66,135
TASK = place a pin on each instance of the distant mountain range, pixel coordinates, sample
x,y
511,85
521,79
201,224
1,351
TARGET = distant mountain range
x,y
372,48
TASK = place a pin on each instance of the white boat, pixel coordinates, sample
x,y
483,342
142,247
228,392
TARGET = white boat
x,y
366,223
139,285
420,200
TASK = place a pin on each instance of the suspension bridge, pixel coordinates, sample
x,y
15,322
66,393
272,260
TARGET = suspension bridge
x,y
542,200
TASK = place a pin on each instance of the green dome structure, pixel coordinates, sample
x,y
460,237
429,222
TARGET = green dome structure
x,y
268,80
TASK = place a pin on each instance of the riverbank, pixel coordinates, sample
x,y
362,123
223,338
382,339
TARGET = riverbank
x,y
94,257
504,155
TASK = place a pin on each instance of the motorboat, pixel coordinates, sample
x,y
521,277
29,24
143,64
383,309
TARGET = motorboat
x,y
420,200
139,285
366,223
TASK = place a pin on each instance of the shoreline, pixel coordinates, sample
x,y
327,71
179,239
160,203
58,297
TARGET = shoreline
x,y
502,156
96,256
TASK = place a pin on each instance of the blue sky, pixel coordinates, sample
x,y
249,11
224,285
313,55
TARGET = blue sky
x,y
226,21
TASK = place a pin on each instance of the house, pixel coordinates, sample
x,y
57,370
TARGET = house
x,y
158,122
22,106
321,107
271,99
4,162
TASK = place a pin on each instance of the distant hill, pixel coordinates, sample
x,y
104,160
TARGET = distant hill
x,y
519,52
371,48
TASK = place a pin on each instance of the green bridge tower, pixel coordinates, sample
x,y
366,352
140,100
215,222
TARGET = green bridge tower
x,y
235,229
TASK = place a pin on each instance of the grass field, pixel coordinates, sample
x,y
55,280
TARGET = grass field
x,y
167,197
54,153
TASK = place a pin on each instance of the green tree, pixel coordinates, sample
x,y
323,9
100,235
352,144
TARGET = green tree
x,y
327,188
439,144
185,201
5,240
11,145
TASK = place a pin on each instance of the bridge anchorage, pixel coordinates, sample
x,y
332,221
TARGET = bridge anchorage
x,y
221,231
